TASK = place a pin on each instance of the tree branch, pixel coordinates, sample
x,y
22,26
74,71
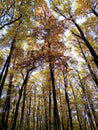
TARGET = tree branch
x,y
11,22
76,34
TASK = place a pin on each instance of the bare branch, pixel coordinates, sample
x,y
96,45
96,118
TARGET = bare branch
x,y
76,34
11,22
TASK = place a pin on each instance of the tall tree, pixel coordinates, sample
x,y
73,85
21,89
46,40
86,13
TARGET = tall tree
x,y
70,15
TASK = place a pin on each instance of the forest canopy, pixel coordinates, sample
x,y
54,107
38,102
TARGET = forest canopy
x,y
48,64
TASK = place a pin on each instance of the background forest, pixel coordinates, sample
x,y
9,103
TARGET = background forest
x,y
49,65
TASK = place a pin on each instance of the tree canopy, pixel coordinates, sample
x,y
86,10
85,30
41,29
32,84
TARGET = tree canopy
x,y
49,64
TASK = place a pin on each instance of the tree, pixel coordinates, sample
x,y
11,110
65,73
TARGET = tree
x,y
67,13
48,60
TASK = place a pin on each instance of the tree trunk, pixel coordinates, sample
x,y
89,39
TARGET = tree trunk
x,y
91,121
95,12
28,114
68,103
89,67
90,103
34,110
61,110
6,109
79,121
92,51
55,109
22,111
17,105
6,67
38,116
50,108
45,111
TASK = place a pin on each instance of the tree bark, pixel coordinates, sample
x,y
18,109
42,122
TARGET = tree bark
x,y
6,67
55,109
92,51
28,117
95,12
17,105
6,109
89,67
22,111
50,108
79,121
61,110
91,121
45,110
68,103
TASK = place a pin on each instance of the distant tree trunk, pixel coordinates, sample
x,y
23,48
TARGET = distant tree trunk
x,y
50,108
6,109
28,114
22,110
4,71
90,103
89,67
91,123
37,122
94,114
67,121
61,113
79,121
34,109
40,122
86,105
45,110
85,125
18,102
67,101
38,116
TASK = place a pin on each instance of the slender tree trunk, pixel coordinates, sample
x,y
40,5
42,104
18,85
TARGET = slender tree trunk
x,y
79,121
22,111
61,111
68,103
67,121
85,125
45,109
34,109
40,128
50,108
6,109
89,67
95,12
29,114
91,123
56,114
92,51
55,109
17,105
4,72
94,114
4,67
86,105
38,116
90,103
